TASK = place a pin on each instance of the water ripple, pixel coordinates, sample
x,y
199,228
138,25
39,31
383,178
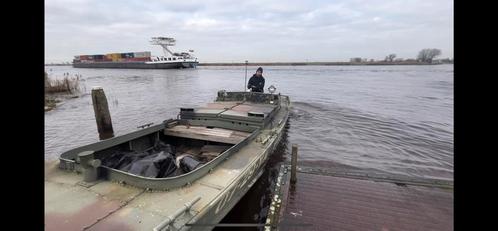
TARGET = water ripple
x,y
395,119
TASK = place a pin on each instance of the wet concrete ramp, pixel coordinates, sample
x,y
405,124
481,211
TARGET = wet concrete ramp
x,y
327,202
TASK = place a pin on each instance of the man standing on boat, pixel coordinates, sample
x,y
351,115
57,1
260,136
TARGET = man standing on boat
x,y
257,82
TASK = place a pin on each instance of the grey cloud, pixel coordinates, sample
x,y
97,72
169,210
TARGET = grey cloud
x,y
255,30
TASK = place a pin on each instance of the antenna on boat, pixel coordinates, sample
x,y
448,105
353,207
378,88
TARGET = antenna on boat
x,y
164,42
245,79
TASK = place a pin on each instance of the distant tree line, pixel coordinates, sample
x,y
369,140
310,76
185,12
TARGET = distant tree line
x,y
390,58
425,55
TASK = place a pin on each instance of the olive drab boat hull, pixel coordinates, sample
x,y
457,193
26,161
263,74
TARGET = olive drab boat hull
x,y
247,125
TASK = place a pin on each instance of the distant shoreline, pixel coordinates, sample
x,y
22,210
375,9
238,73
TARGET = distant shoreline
x,y
318,63
377,63
58,64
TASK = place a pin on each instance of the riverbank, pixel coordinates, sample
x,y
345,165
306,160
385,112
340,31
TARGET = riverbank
x,y
58,90
55,99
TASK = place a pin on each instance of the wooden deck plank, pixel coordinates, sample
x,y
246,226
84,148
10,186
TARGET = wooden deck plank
x,y
210,134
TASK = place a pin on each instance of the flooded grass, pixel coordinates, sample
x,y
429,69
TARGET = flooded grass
x,y
58,89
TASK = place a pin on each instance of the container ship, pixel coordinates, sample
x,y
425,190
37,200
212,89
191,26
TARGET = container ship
x,y
140,60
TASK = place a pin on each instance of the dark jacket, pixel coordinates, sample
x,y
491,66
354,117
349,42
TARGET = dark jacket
x,y
256,83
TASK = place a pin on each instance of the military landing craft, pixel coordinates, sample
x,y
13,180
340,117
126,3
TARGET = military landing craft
x,y
182,174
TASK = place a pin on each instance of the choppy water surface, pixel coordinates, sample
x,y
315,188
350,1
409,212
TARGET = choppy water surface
x,y
394,119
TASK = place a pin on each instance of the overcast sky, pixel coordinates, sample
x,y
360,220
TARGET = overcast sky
x,y
258,31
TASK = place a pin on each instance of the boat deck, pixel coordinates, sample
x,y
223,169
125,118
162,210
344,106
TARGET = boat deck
x,y
236,108
320,201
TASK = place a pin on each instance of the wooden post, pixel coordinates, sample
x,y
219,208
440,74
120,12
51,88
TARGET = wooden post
x,y
102,115
294,164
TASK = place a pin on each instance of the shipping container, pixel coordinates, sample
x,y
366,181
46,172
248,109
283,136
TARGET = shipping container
x,y
115,56
138,54
142,54
127,55
143,59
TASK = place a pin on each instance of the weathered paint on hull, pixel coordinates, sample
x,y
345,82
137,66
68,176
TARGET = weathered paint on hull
x,y
237,190
136,65
109,205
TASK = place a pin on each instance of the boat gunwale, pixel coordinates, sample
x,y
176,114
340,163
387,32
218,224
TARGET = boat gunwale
x,y
165,183
224,154
68,159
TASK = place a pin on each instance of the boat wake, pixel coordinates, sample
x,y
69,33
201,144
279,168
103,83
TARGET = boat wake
x,y
369,141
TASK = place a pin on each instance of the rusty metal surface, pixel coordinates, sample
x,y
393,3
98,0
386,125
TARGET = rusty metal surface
x,y
337,203
234,112
242,109
238,107
221,105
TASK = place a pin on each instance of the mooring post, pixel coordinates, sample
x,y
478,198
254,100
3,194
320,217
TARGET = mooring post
x,y
89,165
102,115
294,164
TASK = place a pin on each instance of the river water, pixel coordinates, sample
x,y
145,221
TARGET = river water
x,y
393,119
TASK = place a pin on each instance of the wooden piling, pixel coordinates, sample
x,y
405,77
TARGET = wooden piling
x,y
102,115
294,164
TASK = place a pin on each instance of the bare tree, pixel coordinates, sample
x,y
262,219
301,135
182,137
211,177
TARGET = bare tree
x,y
426,55
390,57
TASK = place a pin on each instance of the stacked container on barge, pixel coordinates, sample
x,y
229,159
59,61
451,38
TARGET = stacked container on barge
x,y
140,60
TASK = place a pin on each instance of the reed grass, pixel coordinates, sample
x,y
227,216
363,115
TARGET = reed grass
x,y
55,88
66,85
